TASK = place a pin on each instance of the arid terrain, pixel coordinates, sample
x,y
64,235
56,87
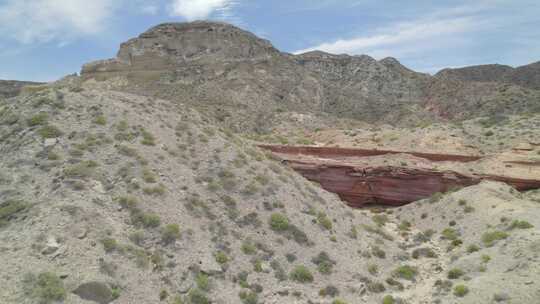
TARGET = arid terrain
x,y
145,179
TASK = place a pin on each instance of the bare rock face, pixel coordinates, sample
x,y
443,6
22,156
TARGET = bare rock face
x,y
177,44
335,170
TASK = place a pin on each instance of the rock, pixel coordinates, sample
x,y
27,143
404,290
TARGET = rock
x,y
51,247
49,142
95,291
335,170
82,234
209,265
524,146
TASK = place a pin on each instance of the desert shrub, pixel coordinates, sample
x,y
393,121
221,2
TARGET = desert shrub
x,y
324,263
388,300
517,224
301,274
472,248
455,273
373,269
148,139
109,244
46,287
376,287
324,221
461,290
279,222
203,281
149,176
155,191
144,219
197,296
378,231
100,120
170,233
435,198
37,120
127,202
423,252
468,209
330,291
339,301
380,219
81,170
249,248
406,272
9,209
50,131
490,238
248,297
450,234
404,226
221,257
378,252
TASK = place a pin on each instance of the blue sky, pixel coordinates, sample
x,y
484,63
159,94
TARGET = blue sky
x,y
44,40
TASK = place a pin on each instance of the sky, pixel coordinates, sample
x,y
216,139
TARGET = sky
x,y
44,40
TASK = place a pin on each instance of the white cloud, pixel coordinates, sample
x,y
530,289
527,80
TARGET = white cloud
x,y
32,21
401,35
150,9
200,9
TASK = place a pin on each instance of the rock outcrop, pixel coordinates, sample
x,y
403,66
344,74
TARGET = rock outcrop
x,y
336,171
11,88
245,82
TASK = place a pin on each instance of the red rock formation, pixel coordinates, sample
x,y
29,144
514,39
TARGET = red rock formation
x,y
384,185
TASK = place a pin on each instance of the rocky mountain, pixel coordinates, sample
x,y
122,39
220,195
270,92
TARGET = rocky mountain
x,y
244,81
526,76
10,88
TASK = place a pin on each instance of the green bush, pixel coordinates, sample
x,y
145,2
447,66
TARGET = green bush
x,y
221,257
50,131
339,301
324,263
81,170
248,297
37,120
450,234
147,220
197,296
388,300
203,282
301,274
249,248
46,288
520,225
279,222
380,219
109,244
9,209
324,221
455,273
170,233
148,139
460,290
473,248
100,120
406,272
490,238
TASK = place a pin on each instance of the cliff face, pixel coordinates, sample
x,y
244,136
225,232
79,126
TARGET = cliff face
x,y
244,81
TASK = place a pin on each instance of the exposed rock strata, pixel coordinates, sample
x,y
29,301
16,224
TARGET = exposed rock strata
x,y
386,185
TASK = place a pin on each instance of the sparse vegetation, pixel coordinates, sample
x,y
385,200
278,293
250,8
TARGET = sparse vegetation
x,y
45,288
301,274
170,233
490,238
50,131
406,272
279,222
461,290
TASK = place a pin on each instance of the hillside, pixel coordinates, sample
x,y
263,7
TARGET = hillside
x,y
142,180
10,88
